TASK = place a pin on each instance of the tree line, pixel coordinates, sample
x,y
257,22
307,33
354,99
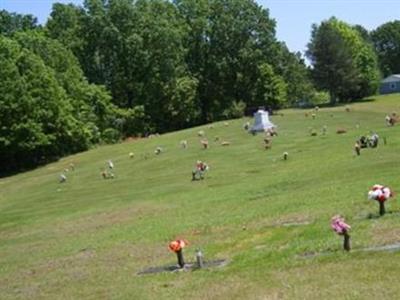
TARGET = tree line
x,y
115,68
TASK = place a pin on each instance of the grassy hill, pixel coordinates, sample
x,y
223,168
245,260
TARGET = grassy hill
x,y
88,238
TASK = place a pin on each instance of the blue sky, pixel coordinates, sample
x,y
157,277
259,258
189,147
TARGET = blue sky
x,y
294,17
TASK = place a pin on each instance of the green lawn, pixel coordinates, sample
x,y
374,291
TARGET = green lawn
x,y
89,237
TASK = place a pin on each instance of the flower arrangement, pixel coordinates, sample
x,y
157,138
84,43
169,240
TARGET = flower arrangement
x,y
177,246
380,193
341,228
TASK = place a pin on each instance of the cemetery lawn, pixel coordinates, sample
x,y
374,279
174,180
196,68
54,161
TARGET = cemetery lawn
x,y
269,218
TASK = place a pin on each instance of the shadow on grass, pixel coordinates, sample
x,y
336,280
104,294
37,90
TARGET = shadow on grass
x,y
187,267
388,248
338,104
372,216
341,104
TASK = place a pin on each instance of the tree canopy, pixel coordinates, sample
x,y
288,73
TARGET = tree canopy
x,y
12,22
47,107
386,39
155,53
343,62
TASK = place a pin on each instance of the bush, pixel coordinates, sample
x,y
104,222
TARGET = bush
x,y
319,98
111,135
314,99
235,111
133,121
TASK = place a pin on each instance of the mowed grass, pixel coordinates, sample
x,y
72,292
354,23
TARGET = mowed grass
x,y
88,238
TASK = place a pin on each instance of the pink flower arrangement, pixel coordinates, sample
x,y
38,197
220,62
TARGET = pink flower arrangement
x,y
339,226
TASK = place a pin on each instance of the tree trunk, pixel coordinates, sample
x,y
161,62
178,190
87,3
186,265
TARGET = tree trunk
x,y
332,97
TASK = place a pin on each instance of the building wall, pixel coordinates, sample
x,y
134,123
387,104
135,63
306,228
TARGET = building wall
x,y
390,87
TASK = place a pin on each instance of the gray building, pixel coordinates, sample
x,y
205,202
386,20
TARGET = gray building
x,y
390,84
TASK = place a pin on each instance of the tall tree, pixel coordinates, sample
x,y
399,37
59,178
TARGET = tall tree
x,y
134,48
36,118
47,107
91,103
65,25
386,39
343,62
270,89
296,75
226,42
12,22
157,64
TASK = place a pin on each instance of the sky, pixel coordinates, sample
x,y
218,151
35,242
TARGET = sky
x,y
293,17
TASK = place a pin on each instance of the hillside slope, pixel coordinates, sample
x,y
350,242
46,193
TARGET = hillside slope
x,y
88,237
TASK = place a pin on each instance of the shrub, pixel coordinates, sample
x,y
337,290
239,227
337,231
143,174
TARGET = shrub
x,y
235,111
111,135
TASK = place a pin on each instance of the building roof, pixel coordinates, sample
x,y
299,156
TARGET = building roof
x,y
392,78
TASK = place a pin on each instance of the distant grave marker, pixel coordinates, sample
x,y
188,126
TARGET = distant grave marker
x,y
285,155
357,148
324,129
63,178
176,247
184,144
199,171
204,143
158,150
341,131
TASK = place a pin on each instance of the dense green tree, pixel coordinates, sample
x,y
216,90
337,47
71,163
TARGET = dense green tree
x,y
386,39
162,65
134,48
12,22
270,88
296,75
226,42
91,104
131,121
183,62
343,62
183,107
331,60
36,118
65,25
47,107
363,33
